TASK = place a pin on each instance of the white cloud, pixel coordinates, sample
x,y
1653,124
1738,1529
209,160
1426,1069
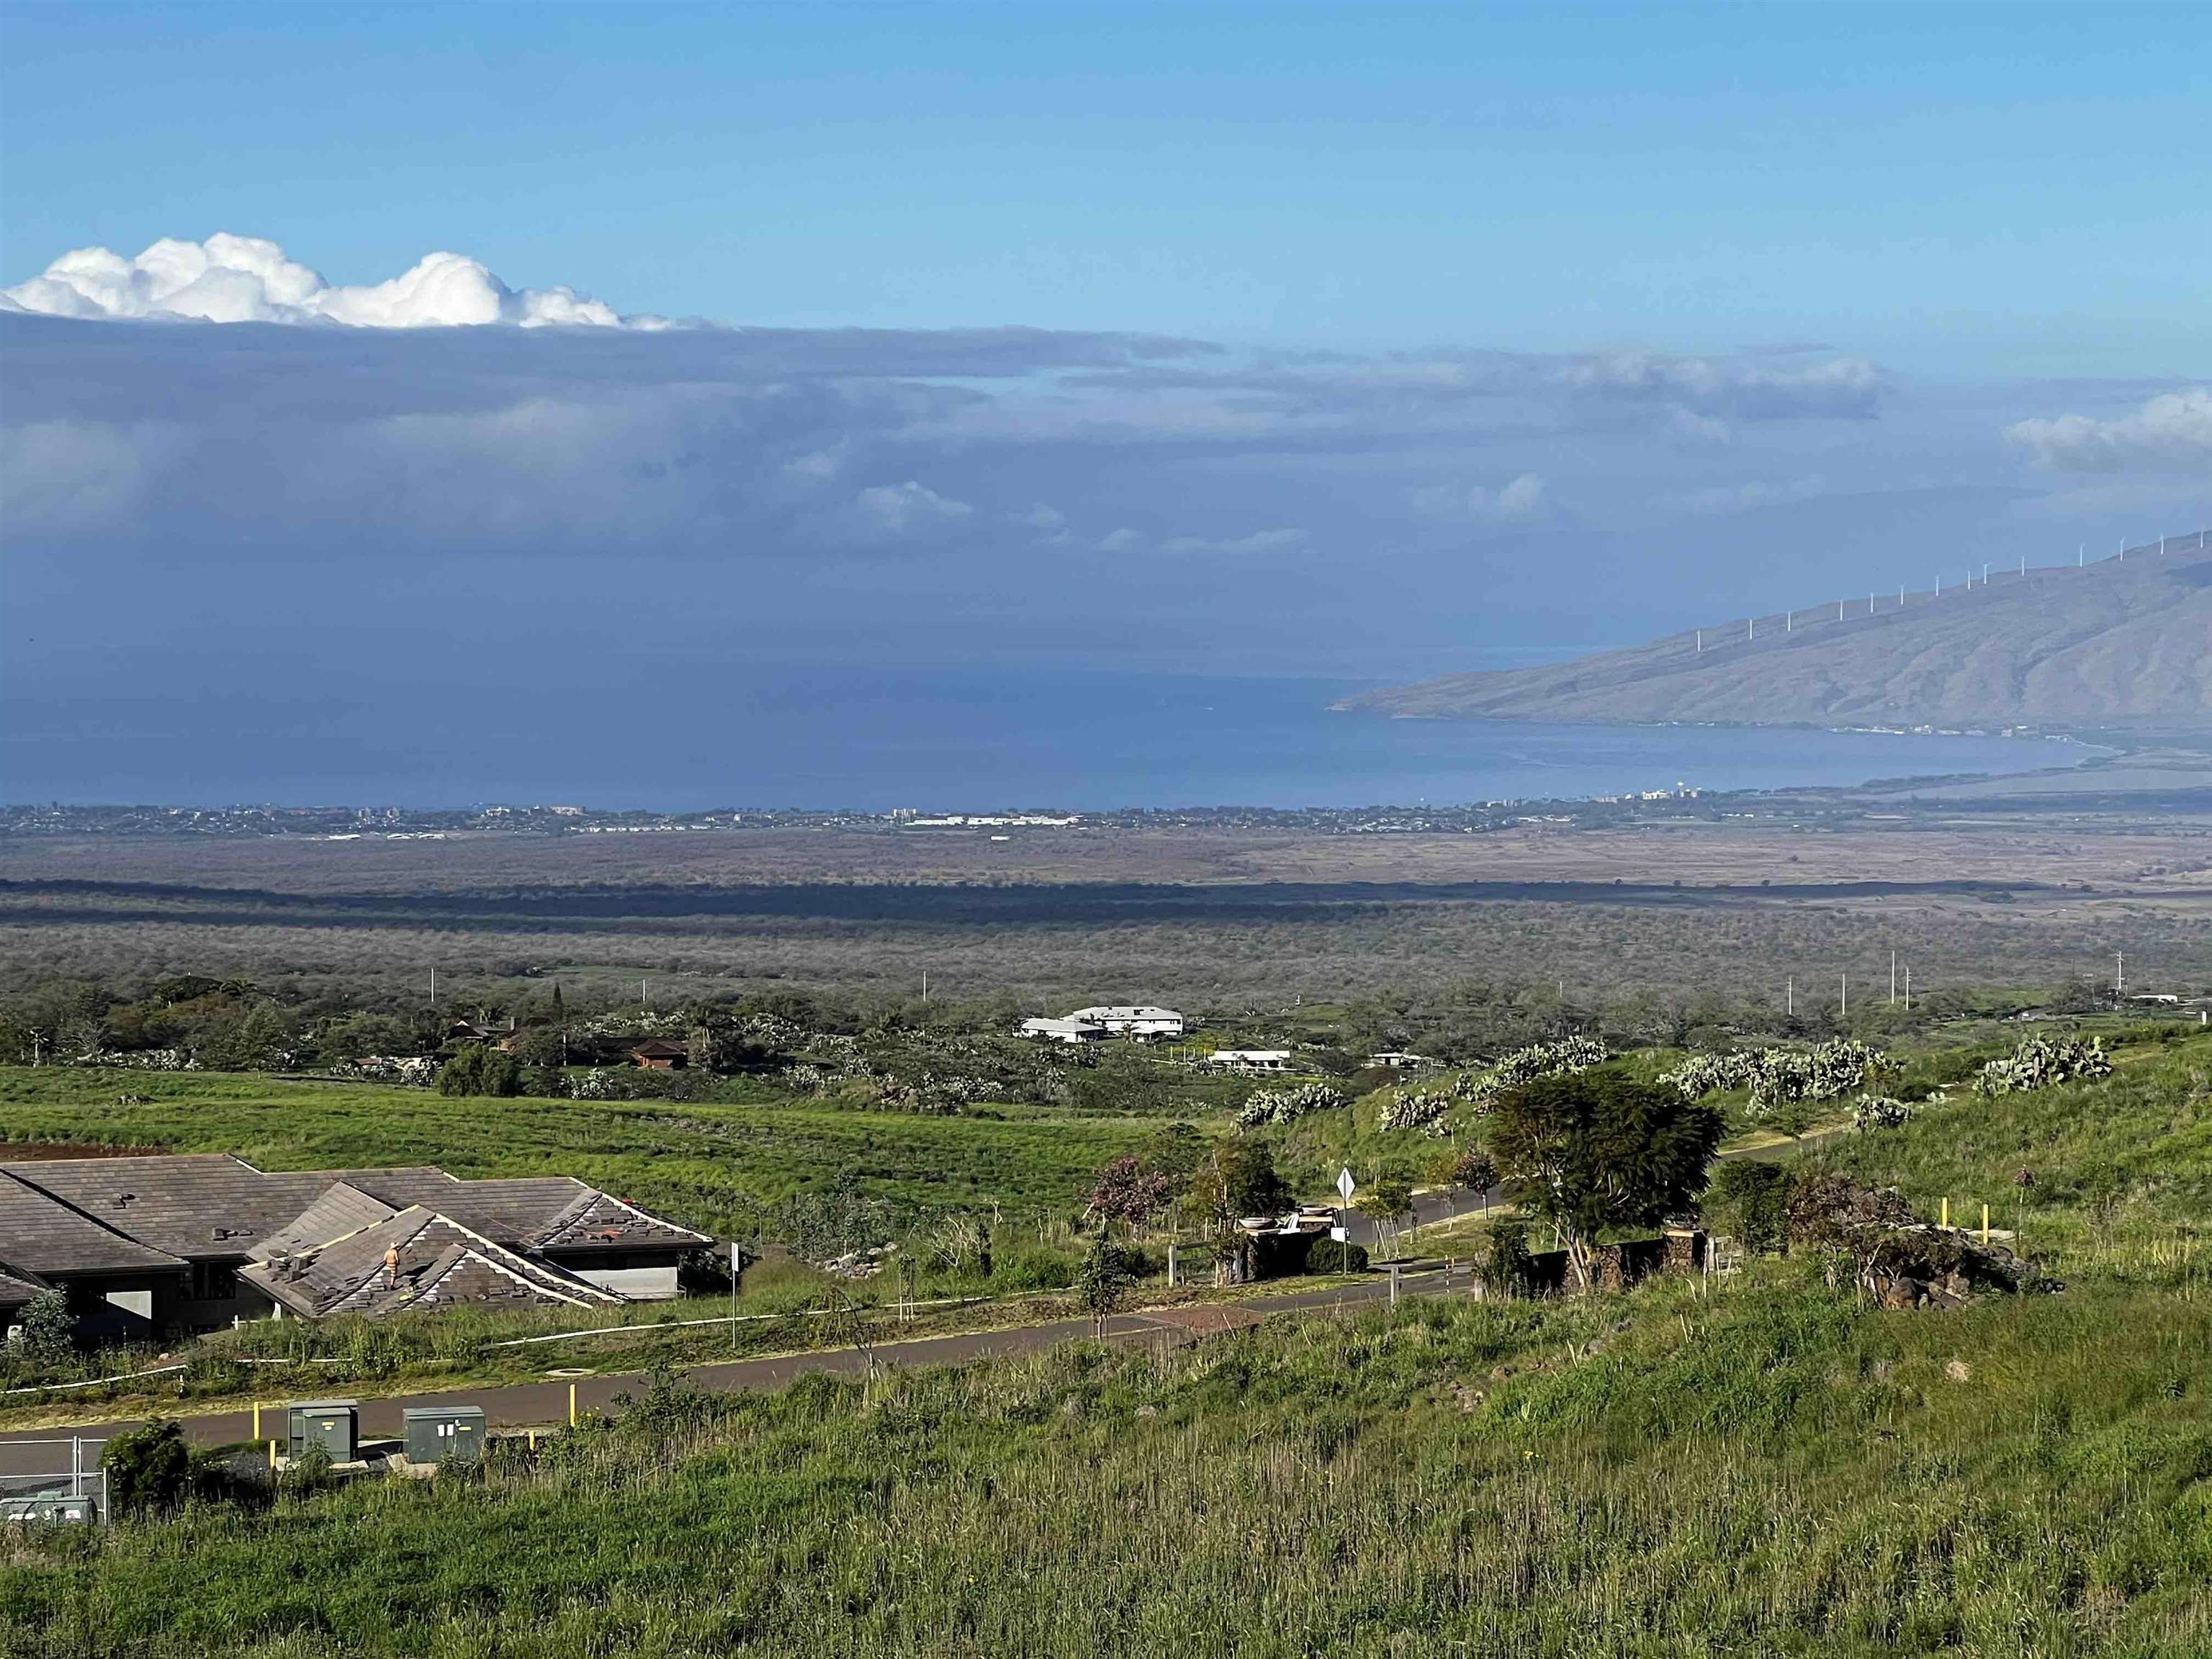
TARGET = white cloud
x,y
1124,540
903,509
1750,387
245,279
1260,541
1520,498
2171,432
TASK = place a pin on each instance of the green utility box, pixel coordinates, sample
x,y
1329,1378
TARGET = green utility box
x,y
81,1511
332,1425
441,1434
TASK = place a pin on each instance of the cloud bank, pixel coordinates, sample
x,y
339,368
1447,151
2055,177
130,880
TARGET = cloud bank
x,y
2170,433
245,279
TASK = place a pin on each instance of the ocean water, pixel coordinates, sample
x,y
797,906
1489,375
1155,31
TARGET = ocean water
x,y
933,740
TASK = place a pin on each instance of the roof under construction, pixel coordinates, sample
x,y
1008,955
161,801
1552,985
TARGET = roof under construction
x,y
316,1240
413,1258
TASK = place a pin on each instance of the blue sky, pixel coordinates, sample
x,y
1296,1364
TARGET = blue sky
x,y
1358,341
1981,190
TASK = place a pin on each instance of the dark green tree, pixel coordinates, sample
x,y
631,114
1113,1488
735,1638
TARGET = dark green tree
x,y
477,1069
1594,1151
49,1326
1102,1282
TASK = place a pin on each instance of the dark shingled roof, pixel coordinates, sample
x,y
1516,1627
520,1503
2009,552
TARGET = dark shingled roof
x,y
15,1291
115,1214
202,1206
342,1210
39,1234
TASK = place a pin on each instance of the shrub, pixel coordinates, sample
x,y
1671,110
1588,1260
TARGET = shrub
x,y
148,1467
2040,1062
49,1327
1507,1270
1536,1061
1781,1078
1419,1109
1328,1255
1751,1201
1879,1112
1266,1106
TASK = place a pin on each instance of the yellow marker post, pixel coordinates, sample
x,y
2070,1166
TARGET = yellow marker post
x,y
572,1405
1947,1212
257,1419
272,1457
1986,1223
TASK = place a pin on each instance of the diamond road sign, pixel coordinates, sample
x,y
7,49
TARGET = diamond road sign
x,y
1346,1186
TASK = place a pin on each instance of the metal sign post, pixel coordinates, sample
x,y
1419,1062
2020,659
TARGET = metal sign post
x,y
1346,1186
737,1263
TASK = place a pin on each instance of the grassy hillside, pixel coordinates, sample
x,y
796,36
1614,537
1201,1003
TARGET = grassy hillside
x,y
1757,1466
712,1163
2120,643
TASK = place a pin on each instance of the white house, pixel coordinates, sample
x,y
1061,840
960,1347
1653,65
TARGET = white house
x,y
1249,1059
1146,1024
1063,1031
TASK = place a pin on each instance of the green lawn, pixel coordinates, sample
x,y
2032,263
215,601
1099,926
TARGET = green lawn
x,y
708,1163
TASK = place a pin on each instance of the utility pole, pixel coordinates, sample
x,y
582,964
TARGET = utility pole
x,y
1844,1012
925,987
2119,973
1908,988
643,1002
433,987
1790,996
1892,979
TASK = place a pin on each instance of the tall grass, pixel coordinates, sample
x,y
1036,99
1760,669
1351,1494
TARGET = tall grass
x,y
1765,1468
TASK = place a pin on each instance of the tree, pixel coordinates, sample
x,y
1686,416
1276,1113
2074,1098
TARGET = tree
x,y
1470,1170
1126,1191
476,1069
1386,1202
1238,1179
49,1326
1591,1151
1101,1282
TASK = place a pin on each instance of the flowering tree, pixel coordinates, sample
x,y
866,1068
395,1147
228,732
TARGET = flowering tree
x,y
1128,1192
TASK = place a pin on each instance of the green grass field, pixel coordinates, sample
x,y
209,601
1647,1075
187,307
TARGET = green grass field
x,y
1757,1465
712,1164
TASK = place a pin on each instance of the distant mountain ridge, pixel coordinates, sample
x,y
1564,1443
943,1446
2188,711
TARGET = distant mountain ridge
x,y
2126,641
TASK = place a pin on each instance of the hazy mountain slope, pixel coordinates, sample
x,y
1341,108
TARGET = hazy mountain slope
x,y
2124,642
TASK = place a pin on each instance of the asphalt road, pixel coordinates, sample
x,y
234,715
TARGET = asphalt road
x,y
530,1405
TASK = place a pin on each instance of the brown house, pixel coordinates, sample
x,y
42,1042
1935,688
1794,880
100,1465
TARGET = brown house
x,y
662,1054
